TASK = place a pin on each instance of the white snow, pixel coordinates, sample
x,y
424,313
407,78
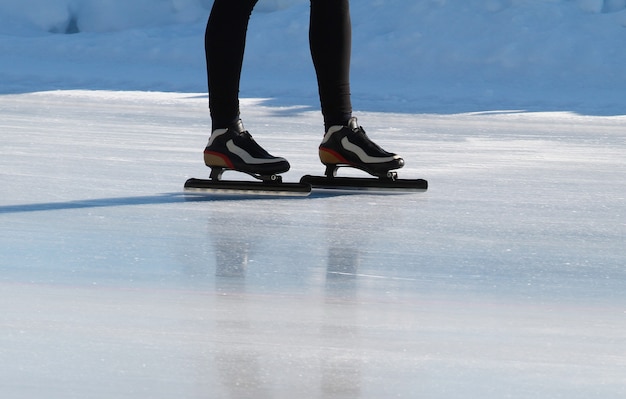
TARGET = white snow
x,y
418,56
505,279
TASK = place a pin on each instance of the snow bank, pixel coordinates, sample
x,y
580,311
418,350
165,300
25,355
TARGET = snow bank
x,y
72,16
115,15
407,55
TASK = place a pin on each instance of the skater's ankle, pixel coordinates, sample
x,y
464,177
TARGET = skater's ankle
x,y
338,120
235,124
350,124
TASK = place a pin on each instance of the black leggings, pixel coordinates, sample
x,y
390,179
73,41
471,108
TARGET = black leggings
x,y
330,41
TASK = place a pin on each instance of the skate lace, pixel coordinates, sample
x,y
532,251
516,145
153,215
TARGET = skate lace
x,y
247,141
245,135
363,137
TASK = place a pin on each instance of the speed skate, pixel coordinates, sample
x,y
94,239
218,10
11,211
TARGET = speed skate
x,y
273,185
234,149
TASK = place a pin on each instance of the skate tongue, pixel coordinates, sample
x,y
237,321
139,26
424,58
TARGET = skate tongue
x,y
238,126
353,124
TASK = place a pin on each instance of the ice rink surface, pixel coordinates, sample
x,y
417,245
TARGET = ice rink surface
x,y
504,280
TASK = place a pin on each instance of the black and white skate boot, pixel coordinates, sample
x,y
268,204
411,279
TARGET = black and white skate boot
x,y
350,146
235,149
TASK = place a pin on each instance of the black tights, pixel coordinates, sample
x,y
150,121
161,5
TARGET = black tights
x,y
330,41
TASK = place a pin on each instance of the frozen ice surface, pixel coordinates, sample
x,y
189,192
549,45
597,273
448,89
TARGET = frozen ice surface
x,y
505,279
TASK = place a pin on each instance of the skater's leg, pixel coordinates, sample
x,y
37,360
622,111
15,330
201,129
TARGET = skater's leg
x,y
330,38
225,40
345,142
230,145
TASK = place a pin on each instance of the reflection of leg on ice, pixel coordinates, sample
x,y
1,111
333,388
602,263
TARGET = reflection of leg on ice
x,y
342,262
231,257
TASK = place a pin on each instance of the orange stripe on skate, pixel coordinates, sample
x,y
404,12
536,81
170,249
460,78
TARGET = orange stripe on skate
x,y
330,157
212,158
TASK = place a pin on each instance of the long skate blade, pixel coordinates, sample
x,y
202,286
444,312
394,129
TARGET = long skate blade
x,y
368,185
247,188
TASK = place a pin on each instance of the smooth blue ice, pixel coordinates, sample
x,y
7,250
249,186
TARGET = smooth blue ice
x,y
505,279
